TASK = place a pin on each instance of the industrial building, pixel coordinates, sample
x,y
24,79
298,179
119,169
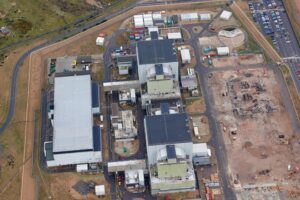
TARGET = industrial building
x,y
76,140
150,53
124,64
170,151
185,56
134,180
201,154
123,123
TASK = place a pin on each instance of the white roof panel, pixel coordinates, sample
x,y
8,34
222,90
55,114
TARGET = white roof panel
x,y
225,15
185,54
72,113
176,35
189,16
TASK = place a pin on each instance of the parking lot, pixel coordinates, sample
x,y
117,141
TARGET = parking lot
x,y
270,15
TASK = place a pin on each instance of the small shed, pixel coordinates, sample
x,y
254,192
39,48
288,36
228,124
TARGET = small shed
x,y
100,41
205,16
100,190
185,56
223,51
82,168
225,15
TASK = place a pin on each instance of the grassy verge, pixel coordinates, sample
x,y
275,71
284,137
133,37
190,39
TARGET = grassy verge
x,y
292,88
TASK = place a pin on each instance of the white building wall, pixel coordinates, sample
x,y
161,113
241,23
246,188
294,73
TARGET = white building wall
x,y
142,70
153,150
75,158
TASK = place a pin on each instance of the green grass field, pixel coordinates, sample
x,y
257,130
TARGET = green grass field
x,y
28,18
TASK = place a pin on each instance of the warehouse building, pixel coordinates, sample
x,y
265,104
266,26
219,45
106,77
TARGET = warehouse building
x,y
76,140
150,53
170,151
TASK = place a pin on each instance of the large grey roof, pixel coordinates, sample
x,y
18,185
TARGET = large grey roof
x,y
72,114
167,129
156,51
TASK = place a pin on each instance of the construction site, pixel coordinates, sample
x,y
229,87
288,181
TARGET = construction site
x,y
260,141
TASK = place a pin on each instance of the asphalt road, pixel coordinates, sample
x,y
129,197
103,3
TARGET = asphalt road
x,y
286,42
217,139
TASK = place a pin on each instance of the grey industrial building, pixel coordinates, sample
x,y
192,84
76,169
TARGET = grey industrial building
x,y
170,151
150,53
75,139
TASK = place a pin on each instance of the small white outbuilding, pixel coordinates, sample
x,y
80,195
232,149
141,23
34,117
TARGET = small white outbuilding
x,y
223,51
100,41
225,15
189,16
100,190
175,36
82,168
185,56
205,16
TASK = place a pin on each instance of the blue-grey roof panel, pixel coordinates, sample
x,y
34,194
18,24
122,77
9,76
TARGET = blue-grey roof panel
x,y
156,51
171,152
167,129
95,95
97,138
164,108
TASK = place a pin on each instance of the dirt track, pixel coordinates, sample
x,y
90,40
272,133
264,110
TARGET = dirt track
x,y
261,40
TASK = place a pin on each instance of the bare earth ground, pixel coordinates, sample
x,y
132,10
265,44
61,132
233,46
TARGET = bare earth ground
x,y
196,106
13,137
131,148
228,61
257,146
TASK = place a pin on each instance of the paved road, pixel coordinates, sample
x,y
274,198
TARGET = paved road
x,y
217,139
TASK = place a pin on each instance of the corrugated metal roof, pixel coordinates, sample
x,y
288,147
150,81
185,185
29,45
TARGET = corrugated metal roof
x,y
72,113
95,95
156,51
97,138
167,129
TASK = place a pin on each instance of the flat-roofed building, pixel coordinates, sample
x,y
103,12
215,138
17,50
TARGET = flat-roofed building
x,y
169,150
153,52
75,139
